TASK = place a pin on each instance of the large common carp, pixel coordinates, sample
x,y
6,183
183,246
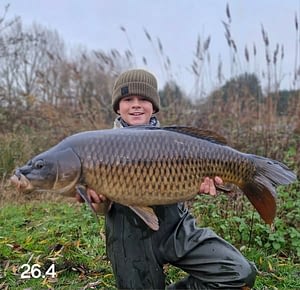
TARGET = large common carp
x,y
142,166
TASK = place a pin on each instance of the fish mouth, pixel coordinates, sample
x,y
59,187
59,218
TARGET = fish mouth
x,y
22,183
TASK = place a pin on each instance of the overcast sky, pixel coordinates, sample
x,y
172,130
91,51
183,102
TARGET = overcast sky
x,y
95,24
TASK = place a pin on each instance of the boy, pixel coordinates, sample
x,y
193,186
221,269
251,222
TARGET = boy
x,y
137,253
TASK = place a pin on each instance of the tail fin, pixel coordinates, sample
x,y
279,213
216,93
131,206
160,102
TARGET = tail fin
x,y
261,191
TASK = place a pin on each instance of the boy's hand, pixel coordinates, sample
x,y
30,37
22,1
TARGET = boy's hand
x,y
96,199
208,185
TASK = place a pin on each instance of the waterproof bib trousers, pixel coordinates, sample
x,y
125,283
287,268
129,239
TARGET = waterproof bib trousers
x,y
138,254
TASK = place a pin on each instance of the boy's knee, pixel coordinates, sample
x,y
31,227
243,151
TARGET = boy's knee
x,y
248,274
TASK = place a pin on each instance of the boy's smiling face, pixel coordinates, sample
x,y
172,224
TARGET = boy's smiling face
x,y
135,110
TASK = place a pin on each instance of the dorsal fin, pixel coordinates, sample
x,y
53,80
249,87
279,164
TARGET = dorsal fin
x,y
198,133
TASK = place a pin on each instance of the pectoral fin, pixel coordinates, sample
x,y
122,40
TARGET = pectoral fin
x,y
82,192
147,215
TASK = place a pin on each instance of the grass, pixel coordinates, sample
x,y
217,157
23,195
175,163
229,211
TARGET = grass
x,y
51,233
68,236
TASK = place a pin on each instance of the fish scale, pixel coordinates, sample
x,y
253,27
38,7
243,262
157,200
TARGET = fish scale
x,y
164,172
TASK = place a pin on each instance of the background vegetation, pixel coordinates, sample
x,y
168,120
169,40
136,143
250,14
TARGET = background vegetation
x,y
47,93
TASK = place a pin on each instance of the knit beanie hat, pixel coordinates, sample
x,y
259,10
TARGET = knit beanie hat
x,y
136,82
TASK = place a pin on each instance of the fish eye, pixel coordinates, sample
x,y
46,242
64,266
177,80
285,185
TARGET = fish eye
x,y
39,164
